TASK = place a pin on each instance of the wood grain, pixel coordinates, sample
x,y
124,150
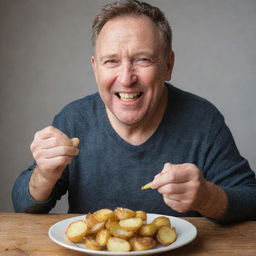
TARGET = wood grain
x,y
27,234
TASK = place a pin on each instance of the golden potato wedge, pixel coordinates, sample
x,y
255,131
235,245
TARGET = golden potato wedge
x,y
148,229
124,213
76,231
102,237
132,241
90,220
103,214
162,221
97,228
144,243
141,214
91,243
131,224
115,244
117,231
166,235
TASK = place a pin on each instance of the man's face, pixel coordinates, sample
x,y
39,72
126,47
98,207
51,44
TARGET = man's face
x,y
130,67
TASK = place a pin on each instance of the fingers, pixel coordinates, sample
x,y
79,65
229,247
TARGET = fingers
x,y
175,173
52,149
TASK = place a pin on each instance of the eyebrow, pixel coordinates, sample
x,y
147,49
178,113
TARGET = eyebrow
x,y
139,53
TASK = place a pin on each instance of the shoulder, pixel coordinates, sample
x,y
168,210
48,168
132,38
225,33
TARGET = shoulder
x,y
193,111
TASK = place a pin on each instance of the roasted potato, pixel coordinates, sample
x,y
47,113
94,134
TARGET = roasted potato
x,y
102,237
90,220
115,244
131,224
144,243
76,231
148,229
97,228
141,214
103,214
124,213
166,235
91,243
117,231
162,221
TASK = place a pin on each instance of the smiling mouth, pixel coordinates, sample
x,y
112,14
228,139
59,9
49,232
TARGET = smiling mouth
x,y
128,96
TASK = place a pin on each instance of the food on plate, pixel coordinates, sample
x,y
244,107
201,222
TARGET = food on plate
x,y
92,244
166,235
116,244
76,231
162,221
121,230
131,224
148,229
124,213
144,243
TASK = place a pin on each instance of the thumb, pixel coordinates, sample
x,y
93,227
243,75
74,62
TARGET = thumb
x,y
75,142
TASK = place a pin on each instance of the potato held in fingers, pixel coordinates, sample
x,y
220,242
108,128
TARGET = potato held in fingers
x,y
166,235
115,244
76,231
131,224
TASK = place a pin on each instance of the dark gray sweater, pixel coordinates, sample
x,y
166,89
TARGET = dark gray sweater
x,y
108,172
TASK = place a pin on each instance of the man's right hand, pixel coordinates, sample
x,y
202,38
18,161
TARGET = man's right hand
x,y
53,151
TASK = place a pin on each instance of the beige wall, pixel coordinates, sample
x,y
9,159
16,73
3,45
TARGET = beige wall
x,y
44,64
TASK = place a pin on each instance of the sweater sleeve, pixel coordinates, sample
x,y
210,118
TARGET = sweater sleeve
x,y
22,199
226,168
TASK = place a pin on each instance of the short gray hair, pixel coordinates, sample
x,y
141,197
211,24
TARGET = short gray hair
x,y
133,8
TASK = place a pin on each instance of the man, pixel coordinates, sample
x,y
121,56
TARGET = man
x,y
138,128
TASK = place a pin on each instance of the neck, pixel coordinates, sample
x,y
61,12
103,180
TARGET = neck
x,y
139,133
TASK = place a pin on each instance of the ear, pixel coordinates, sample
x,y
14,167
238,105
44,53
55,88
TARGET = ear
x,y
94,66
169,65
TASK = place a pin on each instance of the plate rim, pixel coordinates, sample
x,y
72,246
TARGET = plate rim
x,y
73,246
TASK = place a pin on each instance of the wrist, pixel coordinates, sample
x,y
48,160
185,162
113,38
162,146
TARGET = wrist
x,y
215,201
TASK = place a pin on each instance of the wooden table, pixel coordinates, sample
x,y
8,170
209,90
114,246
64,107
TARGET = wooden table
x,y
27,234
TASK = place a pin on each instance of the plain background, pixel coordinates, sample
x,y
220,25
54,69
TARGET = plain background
x,y
45,52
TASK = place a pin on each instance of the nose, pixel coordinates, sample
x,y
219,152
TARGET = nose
x,y
127,76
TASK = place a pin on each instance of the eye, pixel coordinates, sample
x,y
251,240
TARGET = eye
x,y
110,62
144,61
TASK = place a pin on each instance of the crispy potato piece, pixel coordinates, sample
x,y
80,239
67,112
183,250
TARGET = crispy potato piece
x,y
162,221
148,229
141,214
117,231
91,243
115,244
166,235
144,243
124,213
76,231
103,214
102,237
90,220
131,224
97,228
132,241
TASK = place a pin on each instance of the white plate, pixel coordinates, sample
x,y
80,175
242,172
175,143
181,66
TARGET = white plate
x,y
186,232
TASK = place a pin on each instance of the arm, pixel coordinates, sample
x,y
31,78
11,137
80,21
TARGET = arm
x,y
224,190
37,189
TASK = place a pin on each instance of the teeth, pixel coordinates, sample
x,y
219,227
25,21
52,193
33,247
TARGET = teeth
x,y
129,96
